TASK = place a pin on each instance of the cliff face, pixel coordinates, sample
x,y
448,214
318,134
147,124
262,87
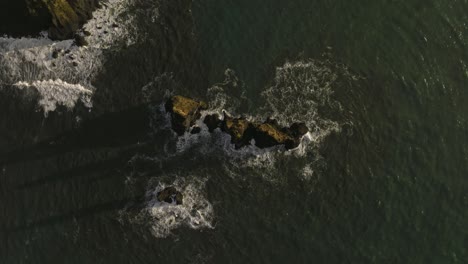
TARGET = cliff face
x,y
60,17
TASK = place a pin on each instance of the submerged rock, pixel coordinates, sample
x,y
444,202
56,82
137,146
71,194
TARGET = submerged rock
x,y
184,112
169,195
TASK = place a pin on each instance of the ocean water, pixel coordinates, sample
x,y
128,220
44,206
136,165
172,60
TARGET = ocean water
x,y
380,178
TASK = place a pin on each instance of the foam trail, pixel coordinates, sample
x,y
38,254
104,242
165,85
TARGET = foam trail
x,y
58,92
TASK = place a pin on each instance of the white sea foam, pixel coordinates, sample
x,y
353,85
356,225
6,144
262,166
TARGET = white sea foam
x,y
57,92
297,92
33,61
196,211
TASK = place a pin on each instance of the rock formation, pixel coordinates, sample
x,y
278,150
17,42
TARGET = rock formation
x,y
170,195
240,129
185,111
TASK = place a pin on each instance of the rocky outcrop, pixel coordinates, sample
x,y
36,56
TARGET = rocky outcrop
x,y
269,134
240,129
185,111
62,17
170,195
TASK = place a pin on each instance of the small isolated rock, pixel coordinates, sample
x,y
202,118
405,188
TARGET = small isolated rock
x,y
169,195
75,63
184,112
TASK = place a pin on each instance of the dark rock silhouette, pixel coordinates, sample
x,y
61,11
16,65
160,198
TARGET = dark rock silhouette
x,y
212,122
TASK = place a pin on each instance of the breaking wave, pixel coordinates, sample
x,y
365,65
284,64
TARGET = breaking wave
x,y
53,93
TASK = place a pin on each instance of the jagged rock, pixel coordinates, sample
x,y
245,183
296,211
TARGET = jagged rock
x,y
184,112
169,195
240,129
269,134
212,122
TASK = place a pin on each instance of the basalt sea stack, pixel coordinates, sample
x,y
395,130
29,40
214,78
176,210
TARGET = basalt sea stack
x,y
185,112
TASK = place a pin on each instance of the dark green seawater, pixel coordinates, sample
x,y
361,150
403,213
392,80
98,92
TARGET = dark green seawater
x,y
384,178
